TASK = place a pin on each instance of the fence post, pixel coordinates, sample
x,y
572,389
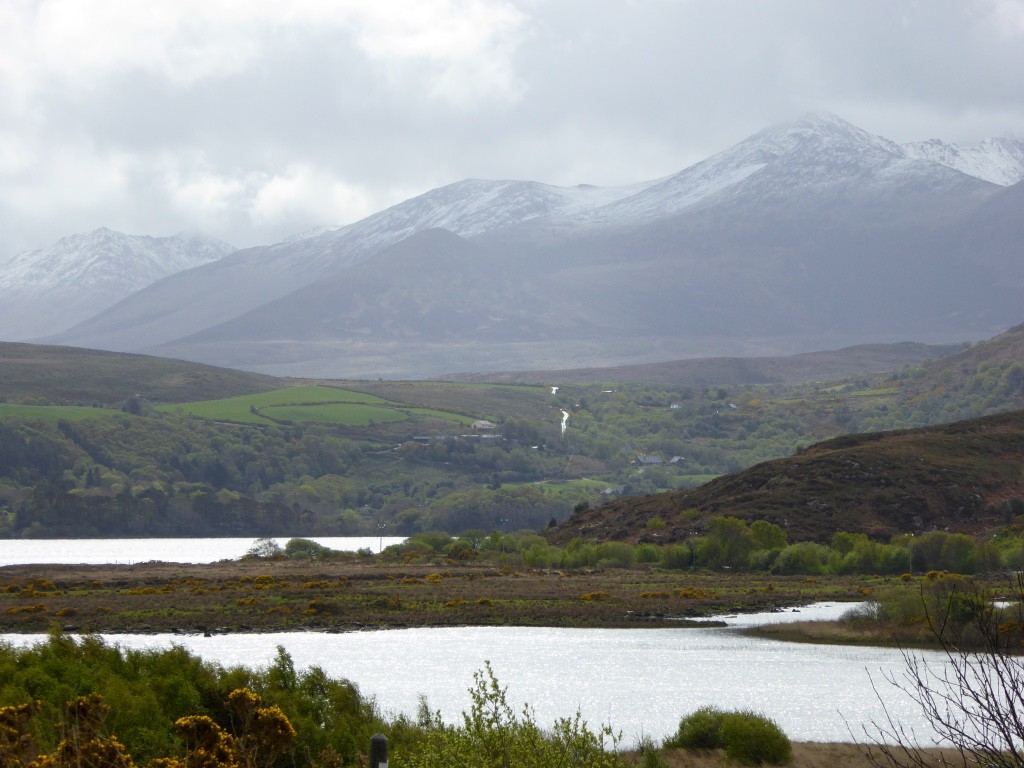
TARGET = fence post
x,y
378,751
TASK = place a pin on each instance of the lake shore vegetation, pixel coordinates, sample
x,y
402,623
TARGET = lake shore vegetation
x,y
511,579
71,702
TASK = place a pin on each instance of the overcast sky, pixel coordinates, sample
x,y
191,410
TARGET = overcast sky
x,y
252,120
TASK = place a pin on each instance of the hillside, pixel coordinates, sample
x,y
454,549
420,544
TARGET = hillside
x,y
38,374
986,377
860,360
964,477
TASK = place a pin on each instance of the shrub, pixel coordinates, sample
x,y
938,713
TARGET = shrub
x,y
263,549
676,556
615,554
803,557
303,549
492,734
753,739
701,729
646,553
747,737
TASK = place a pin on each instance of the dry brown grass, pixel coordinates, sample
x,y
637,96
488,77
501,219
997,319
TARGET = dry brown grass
x,y
805,755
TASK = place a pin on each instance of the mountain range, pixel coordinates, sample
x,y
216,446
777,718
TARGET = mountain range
x,y
806,236
48,290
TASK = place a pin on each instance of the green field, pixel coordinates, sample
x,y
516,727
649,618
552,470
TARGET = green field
x,y
51,414
343,414
250,409
311,405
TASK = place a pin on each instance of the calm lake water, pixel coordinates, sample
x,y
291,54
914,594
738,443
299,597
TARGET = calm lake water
x,y
641,681
99,551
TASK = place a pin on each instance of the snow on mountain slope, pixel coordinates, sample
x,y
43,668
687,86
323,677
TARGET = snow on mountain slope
x,y
787,184
107,259
469,208
817,151
47,290
817,147
1000,161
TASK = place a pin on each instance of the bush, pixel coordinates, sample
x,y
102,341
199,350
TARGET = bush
x,y
804,557
680,556
746,737
307,549
753,739
263,549
701,729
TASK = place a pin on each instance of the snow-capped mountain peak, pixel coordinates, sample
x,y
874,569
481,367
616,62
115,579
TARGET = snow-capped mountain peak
x,y
82,274
820,130
104,257
817,149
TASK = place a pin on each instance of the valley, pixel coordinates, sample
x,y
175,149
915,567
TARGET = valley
x,y
123,447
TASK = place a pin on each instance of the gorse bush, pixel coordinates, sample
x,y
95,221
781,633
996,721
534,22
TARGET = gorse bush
x,y
702,729
752,739
148,691
747,737
260,736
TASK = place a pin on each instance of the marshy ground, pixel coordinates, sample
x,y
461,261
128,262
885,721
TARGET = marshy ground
x,y
359,593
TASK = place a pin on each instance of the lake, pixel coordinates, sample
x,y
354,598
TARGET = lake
x,y
641,681
128,551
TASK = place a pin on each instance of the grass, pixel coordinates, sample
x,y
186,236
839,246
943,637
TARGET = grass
x,y
312,405
568,489
51,414
345,414
247,408
805,755
487,400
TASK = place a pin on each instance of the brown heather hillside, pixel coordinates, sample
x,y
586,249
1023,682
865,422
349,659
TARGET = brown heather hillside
x,y
51,375
830,365
964,477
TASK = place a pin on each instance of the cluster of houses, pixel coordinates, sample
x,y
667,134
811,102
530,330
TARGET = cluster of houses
x,y
483,431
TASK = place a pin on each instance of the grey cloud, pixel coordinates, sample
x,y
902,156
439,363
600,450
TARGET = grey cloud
x,y
599,91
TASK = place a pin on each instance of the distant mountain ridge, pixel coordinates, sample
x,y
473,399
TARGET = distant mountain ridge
x,y
809,235
82,274
718,371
